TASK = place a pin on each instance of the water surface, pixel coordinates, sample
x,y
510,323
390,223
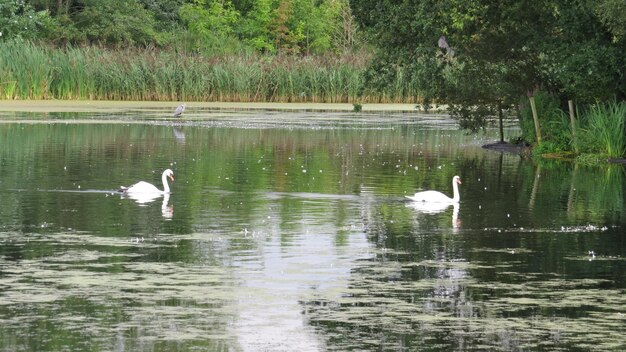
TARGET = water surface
x,y
290,232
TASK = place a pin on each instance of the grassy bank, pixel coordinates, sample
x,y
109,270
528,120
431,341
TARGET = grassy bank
x,y
599,132
31,71
604,130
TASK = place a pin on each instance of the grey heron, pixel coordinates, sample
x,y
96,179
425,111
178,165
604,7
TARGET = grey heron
x,y
179,110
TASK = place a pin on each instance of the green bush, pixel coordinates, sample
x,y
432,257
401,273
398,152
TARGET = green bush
x,y
18,19
555,127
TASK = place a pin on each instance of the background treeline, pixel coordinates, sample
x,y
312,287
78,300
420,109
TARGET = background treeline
x,y
192,50
209,26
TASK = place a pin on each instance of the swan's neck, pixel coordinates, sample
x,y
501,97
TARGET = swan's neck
x,y
166,187
455,189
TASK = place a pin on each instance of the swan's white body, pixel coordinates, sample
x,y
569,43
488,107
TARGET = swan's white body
x,y
145,188
438,197
143,198
430,208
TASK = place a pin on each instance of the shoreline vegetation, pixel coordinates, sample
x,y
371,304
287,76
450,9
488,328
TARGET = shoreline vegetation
x,y
54,105
85,106
36,71
591,134
131,77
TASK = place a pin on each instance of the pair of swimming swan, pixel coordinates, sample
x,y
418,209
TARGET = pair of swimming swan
x,y
438,197
143,187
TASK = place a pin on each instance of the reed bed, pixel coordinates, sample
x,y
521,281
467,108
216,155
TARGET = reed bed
x,y
32,71
604,129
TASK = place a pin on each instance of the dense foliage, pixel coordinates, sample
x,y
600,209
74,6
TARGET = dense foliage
x,y
291,26
482,55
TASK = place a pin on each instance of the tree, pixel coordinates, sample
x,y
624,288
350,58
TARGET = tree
x,y
314,22
116,22
18,19
343,30
612,14
298,26
212,22
256,26
210,17
482,55
584,58
165,13
286,37
111,22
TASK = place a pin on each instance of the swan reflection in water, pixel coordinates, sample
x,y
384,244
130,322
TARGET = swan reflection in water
x,y
142,198
167,210
436,208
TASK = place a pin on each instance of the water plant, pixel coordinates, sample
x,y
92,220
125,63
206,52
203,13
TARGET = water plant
x,y
601,130
35,71
605,129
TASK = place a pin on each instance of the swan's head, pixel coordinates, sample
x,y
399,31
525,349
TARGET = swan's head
x,y
169,173
456,179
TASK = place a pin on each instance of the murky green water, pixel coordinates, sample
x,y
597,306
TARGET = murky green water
x,y
290,232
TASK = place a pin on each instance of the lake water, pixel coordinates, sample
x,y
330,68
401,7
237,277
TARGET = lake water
x,y
290,232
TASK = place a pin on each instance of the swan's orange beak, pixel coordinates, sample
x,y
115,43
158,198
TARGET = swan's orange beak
x,y
171,177
459,181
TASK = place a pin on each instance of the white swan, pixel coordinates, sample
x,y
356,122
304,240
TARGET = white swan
x,y
438,197
142,187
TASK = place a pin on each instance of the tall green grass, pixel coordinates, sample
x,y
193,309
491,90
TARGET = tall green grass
x,y
32,71
605,129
